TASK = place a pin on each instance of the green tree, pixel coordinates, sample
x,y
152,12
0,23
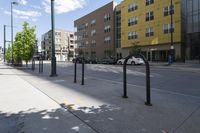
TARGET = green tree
x,y
28,41
8,54
135,49
18,48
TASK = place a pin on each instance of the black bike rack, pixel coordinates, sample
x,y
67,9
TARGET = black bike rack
x,y
40,65
83,71
148,91
33,64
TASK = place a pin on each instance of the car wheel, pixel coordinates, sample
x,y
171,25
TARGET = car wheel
x,y
132,63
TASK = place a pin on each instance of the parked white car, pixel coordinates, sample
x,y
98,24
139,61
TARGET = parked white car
x,y
132,61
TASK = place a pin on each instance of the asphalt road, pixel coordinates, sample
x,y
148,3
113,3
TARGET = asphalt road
x,y
180,80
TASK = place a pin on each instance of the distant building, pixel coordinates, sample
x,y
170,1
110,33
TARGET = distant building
x,y
64,45
159,27
95,33
147,23
193,29
1,52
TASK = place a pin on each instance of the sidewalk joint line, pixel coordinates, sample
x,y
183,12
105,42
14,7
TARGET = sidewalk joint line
x,y
187,118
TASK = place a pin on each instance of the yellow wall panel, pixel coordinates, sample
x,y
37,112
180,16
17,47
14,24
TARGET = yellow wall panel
x,y
158,22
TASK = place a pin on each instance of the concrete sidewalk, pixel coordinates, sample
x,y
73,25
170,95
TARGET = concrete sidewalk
x,y
25,109
99,104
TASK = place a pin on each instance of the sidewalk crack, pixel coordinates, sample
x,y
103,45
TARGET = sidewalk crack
x,y
187,118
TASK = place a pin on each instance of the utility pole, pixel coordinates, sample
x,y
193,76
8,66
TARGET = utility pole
x,y
12,3
68,48
172,30
53,58
4,48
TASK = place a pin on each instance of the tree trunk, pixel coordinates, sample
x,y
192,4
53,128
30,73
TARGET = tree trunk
x,y
26,63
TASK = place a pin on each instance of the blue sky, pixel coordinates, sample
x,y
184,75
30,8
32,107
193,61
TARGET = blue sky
x,y
37,13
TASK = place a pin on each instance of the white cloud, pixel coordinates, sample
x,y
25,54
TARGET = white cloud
x,y
27,13
23,2
63,6
32,15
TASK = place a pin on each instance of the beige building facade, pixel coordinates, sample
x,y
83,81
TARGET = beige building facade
x,y
64,45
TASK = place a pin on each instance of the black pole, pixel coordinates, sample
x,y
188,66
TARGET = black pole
x,y
68,48
53,58
148,86
39,66
172,30
12,61
148,92
82,83
125,81
33,64
75,71
4,42
125,77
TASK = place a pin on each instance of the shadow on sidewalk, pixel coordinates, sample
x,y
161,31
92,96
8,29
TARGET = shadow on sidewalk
x,y
45,121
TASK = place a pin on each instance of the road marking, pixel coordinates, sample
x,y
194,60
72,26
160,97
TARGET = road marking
x,y
139,86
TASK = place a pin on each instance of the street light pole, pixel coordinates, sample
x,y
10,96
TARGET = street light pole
x,y
68,49
4,42
171,30
12,33
53,58
12,3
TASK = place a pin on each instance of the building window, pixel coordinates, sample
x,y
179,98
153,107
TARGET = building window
x,y
93,22
107,17
93,43
107,29
93,32
86,43
58,34
132,35
149,16
71,36
82,26
169,10
85,35
149,2
132,7
149,32
107,39
132,21
93,54
168,28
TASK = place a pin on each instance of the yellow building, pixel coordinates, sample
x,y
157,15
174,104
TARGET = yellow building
x,y
147,23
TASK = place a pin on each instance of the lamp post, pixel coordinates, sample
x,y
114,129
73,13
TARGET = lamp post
x,y
171,31
12,3
68,49
4,42
53,58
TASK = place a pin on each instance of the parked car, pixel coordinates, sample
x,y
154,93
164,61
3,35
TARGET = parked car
x,y
132,61
91,60
108,61
87,60
79,60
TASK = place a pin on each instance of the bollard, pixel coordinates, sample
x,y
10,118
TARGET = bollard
x,y
33,64
125,77
75,71
82,83
40,66
148,90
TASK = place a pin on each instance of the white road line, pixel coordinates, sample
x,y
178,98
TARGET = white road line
x,y
139,86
